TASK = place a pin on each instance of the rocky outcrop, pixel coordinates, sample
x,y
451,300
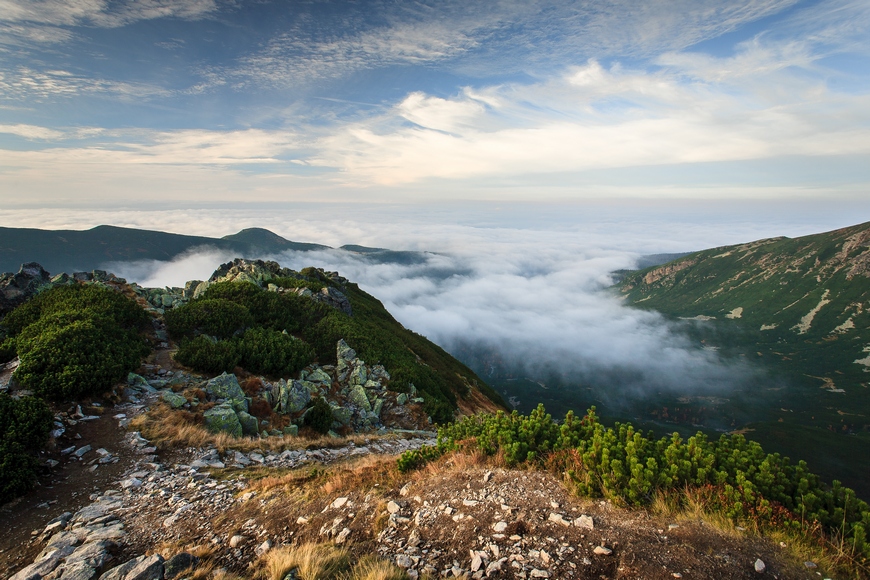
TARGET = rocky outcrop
x,y
16,289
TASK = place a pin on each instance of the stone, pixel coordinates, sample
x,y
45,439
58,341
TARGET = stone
x,y
358,375
344,352
178,564
151,568
80,452
499,527
223,418
602,551
342,415
292,397
585,522
357,396
393,507
536,573
318,375
78,570
404,561
377,406
558,519
263,548
476,562
760,567
249,423
236,540
95,554
342,536
402,399
174,400
339,503
292,430
121,571
226,386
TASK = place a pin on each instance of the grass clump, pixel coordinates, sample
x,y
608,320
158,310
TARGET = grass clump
x,y
324,562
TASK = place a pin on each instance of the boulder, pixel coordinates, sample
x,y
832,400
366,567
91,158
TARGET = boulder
x,y
174,400
178,564
377,407
292,430
250,424
342,415
358,375
319,376
344,356
16,289
292,397
226,386
223,418
357,396
151,568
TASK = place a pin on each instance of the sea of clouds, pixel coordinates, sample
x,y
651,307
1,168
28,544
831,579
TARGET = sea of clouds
x,y
532,285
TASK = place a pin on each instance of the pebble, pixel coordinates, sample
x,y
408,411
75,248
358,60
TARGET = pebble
x,y
602,551
760,566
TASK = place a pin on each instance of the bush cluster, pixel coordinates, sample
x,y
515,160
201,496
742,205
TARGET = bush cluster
x,y
76,340
623,464
319,417
258,350
24,427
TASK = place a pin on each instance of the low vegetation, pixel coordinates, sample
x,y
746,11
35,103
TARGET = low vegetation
x,y
76,341
739,478
240,324
24,427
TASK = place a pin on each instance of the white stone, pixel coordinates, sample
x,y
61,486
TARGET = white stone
x,y
602,551
499,527
236,540
339,502
393,507
584,522
760,567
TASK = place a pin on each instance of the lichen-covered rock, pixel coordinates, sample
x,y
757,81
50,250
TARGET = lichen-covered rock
x,y
342,415
223,418
292,396
319,376
402,399
358,375
226,386
174,400
377,407
16,289
250,424
357,395
292,430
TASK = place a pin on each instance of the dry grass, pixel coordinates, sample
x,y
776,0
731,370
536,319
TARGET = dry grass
x,y
324,562
807,545
174,428
312,562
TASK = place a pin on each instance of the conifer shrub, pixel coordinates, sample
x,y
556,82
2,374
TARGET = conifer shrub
x,y
623,464
274,353
76,340
24,427
319,416
216,317
208,355
7,350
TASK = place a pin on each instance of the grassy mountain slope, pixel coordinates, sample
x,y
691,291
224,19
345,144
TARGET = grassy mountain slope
x,y
798,308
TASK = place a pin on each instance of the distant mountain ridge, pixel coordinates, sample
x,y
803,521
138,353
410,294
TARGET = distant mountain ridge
x,y
800,310
85,250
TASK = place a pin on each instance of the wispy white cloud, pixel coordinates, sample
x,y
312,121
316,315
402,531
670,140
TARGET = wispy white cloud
x,y
24,83
31,132
101,12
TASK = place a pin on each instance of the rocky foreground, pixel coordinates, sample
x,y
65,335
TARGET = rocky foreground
x,y
462,519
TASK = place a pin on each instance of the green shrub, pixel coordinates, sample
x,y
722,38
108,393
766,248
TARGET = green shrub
x,y
8,350
217,317
274,353
319,416
623,464
101,301
208,355
24,427
67,355
76,340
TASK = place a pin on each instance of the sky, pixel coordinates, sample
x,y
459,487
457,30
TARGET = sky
x,y
186,103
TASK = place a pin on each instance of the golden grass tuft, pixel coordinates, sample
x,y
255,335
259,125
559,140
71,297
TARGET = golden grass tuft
x,y
167,427
312,562
371,568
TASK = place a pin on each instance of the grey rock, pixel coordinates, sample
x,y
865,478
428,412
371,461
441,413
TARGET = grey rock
x,y
121,571
223,418
78,570
292,397
760,567
402,399
95,554
150,568
249,423
226,386
174,400
357,396
178,564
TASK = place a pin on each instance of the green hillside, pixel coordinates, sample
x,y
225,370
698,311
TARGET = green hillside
x,y
799,309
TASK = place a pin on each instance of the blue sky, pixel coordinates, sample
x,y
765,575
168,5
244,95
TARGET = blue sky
x,y
124,103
